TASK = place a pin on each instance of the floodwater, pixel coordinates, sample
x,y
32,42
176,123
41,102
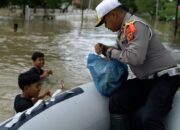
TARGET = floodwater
x,y
65,44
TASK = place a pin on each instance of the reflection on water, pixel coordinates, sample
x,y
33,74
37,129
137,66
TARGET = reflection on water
x,y
65,45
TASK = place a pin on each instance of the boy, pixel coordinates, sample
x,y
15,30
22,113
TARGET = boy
x,y
38,61
30,84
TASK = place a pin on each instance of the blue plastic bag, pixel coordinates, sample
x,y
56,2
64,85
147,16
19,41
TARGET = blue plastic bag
x,y
108,75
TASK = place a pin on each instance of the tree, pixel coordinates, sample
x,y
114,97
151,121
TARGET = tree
x,y
36,3
4,3
52,3
146,6
168,11
21,3
129,5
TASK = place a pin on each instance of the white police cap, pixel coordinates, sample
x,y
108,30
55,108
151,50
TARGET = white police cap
x,y
104,8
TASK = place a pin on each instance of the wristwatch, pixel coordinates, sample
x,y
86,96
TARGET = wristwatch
x,y
108,53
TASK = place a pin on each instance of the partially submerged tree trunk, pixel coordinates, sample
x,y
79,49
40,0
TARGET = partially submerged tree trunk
x,y
24,7
82,12
176,19
34,10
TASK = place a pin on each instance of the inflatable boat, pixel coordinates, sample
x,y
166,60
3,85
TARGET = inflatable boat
x,y
81,108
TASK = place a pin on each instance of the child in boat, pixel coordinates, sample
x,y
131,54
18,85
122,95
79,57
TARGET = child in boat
x,y
30,84
38,61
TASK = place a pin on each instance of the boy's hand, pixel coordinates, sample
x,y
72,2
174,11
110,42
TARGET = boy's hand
x,y
101,49
45,74
46,93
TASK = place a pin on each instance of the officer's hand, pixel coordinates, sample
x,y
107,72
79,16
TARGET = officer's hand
x,y
101,49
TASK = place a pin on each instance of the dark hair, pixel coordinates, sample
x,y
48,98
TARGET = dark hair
x,y
27,78
36,55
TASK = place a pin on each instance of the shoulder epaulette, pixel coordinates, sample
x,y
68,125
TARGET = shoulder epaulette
x,y
132,21
131,26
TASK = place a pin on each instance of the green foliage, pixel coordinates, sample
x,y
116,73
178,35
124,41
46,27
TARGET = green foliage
x,y
4,3
20,2
37,3
94,3
52,3
168,13
166,8
146,6
129,5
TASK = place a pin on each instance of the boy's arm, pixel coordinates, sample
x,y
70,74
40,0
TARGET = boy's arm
x,y
45,74
47,93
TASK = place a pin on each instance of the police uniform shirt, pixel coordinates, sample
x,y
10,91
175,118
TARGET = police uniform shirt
x,y
144,52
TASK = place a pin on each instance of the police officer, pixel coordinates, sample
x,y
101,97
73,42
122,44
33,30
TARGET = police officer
x,y
146,99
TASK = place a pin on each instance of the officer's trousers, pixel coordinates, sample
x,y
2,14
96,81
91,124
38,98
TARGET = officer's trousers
x,y
146,101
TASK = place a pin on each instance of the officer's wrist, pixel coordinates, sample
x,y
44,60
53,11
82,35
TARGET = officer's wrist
x,y
108,53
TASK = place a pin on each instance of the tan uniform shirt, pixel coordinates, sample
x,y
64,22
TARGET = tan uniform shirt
x,y
145,53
